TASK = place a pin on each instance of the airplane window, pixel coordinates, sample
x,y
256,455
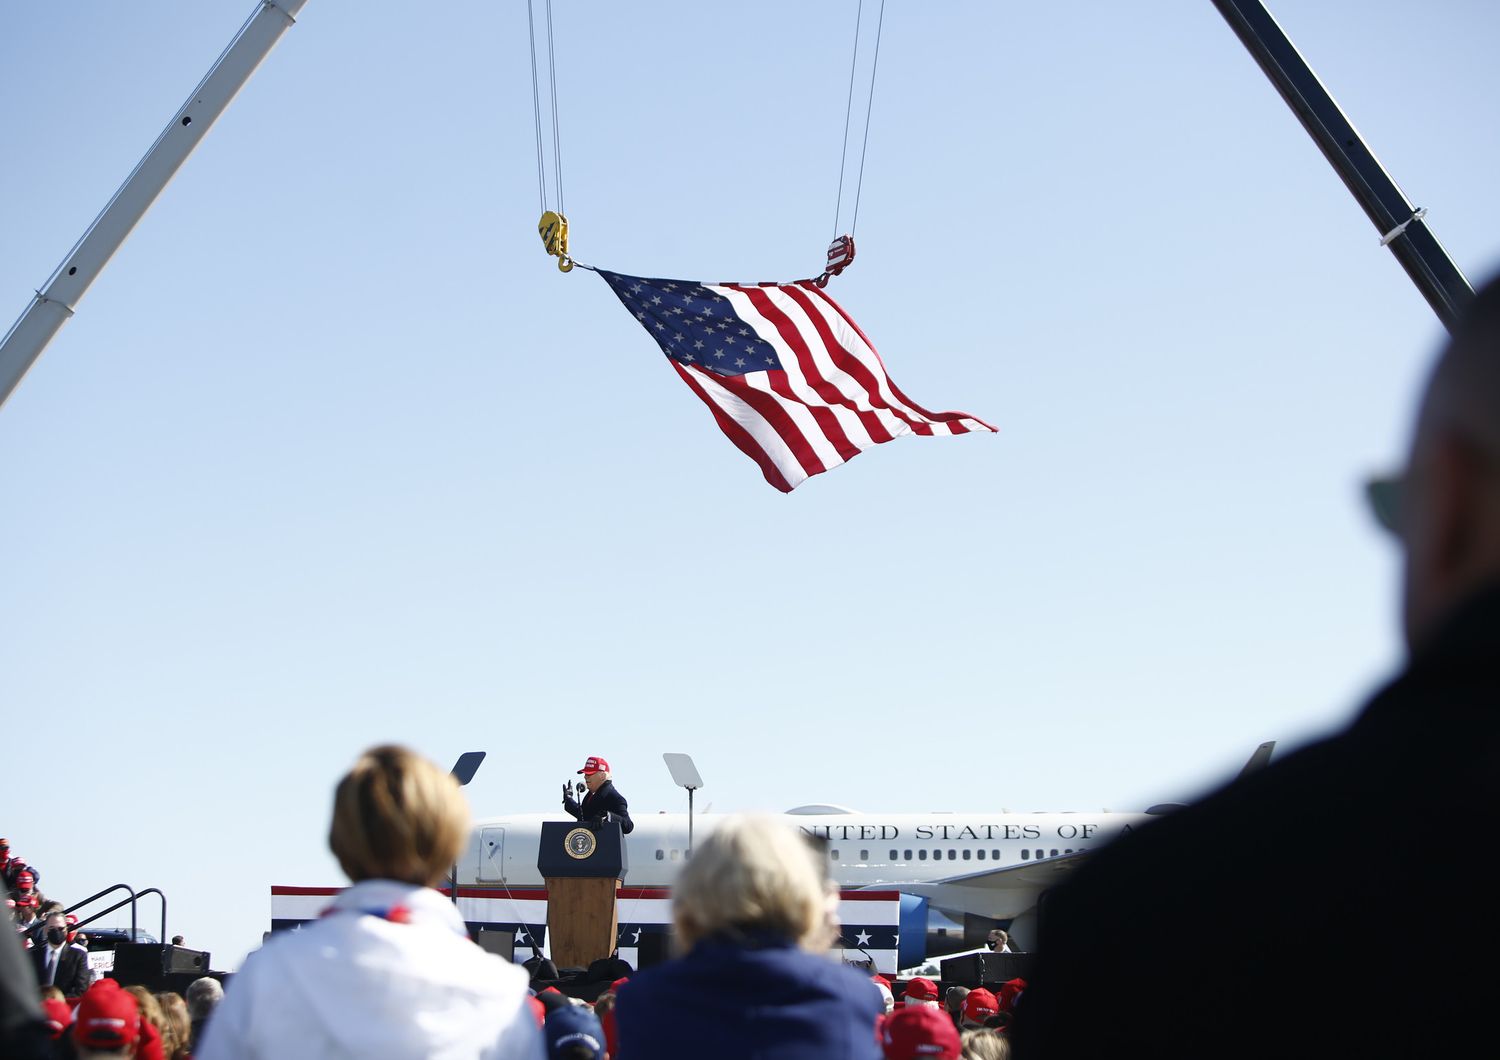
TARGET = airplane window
x,y
1053,854
1025,855
952,855
908,856
921,855
1040,854
995,855
674,855
661,855
834,854
864,855
893,855
981,855
1068,851
967,853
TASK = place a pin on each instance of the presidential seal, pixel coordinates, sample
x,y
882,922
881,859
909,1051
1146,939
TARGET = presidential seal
x,y
580,843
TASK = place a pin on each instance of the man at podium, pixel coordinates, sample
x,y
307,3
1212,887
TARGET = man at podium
x,y
603,798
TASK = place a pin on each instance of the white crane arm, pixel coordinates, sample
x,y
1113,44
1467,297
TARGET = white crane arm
x,y
55,302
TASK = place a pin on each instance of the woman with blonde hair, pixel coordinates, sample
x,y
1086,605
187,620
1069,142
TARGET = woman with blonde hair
x,y
176,1028
981,1043
388,971
755,917
152,1044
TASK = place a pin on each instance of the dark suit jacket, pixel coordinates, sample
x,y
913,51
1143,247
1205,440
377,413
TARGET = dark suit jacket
x,y
597,803
72,969
1332,904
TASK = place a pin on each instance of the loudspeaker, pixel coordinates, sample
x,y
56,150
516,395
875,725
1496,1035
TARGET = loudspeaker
x,y
145,962
500,943
985,969
175,959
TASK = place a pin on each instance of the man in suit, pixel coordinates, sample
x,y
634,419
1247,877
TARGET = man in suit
x,y
602,798
58,964
1256,921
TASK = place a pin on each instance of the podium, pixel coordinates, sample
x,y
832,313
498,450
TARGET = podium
x,y
583,864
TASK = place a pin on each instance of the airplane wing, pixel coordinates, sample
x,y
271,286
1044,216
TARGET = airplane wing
x,y
999,893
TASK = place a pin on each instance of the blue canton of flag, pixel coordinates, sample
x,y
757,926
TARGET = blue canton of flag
x,y
694,324
790,379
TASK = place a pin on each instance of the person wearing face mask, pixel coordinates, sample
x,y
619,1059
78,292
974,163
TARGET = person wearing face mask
x,y
58,964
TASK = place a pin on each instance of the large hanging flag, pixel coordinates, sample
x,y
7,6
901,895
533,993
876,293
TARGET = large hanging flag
x,y
790,379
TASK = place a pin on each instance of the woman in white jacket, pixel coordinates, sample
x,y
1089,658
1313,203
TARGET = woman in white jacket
x,y
389,971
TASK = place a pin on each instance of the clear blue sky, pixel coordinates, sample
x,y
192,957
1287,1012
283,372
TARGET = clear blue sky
x,y
333,455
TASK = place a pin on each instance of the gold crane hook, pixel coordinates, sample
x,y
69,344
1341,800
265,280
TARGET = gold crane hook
x,y
553,228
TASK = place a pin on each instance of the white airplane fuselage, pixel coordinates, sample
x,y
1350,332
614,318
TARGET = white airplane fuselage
x,y
993,866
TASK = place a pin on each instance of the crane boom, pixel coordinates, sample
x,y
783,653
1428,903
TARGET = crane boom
x,y
55,302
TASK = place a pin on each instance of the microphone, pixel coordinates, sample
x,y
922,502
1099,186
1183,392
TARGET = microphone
x,y
845,941
581,787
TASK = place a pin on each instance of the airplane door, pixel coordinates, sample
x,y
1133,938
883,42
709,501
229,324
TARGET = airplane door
x,y
492,855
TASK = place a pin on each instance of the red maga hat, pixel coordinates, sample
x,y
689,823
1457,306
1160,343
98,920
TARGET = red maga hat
x,y
920,989
980,1005
595,764
910,1033
107,1017
58,1015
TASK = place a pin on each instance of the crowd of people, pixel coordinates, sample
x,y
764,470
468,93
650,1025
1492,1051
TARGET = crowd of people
x,y
1310,844
390,971
74,1010
110,1020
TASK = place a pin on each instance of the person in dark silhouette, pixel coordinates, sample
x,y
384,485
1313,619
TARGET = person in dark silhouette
x,y
1322,849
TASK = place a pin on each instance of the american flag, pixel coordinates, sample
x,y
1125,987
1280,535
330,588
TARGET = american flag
x,y
790,379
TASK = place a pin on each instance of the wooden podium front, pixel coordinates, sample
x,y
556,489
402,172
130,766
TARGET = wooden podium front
x,y
583,865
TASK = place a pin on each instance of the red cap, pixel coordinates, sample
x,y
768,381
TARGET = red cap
x,y
58,1015
595,764
909,1033
107,1017
980,1005
25,881
538,1010
614,988
920,989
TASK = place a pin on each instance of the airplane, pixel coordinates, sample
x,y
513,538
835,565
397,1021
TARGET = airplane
x,y
958,875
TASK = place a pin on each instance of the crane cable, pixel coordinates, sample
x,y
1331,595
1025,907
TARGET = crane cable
x,y
553,226
536,107
554,223
841,250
